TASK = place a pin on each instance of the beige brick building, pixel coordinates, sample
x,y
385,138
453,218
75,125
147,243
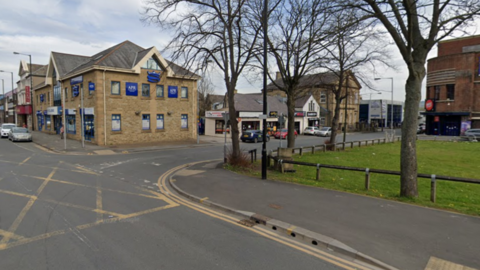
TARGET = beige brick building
x,y
130,95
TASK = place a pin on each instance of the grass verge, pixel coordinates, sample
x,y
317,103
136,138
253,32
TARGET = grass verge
x,y
460,159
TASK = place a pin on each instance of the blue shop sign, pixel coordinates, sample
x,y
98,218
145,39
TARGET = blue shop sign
x,y
131,89
76,80
91,86
45,112
42,97
173,91
75,90
39,112
57,110
153,77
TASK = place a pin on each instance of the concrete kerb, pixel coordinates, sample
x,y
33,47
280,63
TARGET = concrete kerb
x,y
305,235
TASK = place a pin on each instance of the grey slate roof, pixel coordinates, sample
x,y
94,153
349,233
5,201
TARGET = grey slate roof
x,y
254,103
313,80
300,102
65,63
40,71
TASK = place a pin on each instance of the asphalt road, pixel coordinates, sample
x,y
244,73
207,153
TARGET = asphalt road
x,y
104,212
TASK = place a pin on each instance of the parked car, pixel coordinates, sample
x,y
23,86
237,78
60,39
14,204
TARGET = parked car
x,y
472,134
311,130
5,129
283,133
253,136
325,131
17,134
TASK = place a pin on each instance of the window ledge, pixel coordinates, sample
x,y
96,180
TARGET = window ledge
x,y
184,99
146,131
183,129
116,132
115,96
160,130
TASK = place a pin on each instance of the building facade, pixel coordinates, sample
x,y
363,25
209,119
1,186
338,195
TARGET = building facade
x,y
452,102
24,108
123,95
378,112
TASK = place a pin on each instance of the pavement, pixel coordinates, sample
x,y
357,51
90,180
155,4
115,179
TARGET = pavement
x,y
401,235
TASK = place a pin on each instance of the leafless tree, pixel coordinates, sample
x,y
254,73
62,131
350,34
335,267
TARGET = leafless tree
x,y
355,48
205,89
217,32
415,27
296,33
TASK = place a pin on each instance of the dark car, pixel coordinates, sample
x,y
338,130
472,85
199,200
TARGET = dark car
x,y
253,136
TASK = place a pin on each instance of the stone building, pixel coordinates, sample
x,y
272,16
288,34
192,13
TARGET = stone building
x,y
452,102
130,95
24,106
320,85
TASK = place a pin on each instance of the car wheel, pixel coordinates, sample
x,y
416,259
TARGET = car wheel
x,y
255,140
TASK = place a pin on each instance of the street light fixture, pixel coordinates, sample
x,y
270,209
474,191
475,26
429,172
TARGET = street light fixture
x,y
31,82
391,120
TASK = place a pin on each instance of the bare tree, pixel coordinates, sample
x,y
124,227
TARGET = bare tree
x,y
205,89
355,46
217,32
297,30
415,27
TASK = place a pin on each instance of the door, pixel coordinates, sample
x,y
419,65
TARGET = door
x,y
89,127
58,123
40,122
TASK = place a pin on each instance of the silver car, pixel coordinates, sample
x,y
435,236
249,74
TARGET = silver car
x,y
473,134
325,131
5,129
19,134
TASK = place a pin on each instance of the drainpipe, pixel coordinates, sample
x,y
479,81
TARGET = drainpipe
x,y
104,109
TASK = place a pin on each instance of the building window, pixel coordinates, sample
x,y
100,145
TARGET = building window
x,y
70,119
184,93
48,98
152,64
451,91
160,121
311,106
115,88
322,121
184,122
66,93
160,91
48,122
146,121
323,97
116,122
146,90
437,92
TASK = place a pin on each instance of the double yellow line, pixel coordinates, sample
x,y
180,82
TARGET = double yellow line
x,y
163,186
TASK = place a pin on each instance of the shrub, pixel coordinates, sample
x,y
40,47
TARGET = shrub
x,y
328,145
240,161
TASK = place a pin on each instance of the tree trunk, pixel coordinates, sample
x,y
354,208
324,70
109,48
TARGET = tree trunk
x,y
233,122
291,120
335,120
408,161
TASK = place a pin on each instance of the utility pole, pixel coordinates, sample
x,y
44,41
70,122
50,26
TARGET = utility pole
x,y
265,70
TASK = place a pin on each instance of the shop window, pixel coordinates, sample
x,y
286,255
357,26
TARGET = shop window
x,y
451,91
115,88
323,97
48,122
116,122
219,126
160,121
184,93
71,127
437,92
146,121
145,90
160,91
184,121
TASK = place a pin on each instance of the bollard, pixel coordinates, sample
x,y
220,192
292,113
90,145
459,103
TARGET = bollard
x,y
378,142
318,171
281,166
324,148
373,142
433,189
251,155
301,151
334,147
313,149
367,178
384,140
359,144
351,145
255,154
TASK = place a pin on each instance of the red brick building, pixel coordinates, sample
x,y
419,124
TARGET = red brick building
x,y
453,87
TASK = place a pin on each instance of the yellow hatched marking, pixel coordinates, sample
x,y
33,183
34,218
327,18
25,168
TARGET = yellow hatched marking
x,y
99,201
439,264
27,207
23,162
11,235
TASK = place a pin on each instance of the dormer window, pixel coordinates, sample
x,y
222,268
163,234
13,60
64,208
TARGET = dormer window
x,y
152,63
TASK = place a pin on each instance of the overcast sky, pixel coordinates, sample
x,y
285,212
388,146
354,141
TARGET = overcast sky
x,y
86,27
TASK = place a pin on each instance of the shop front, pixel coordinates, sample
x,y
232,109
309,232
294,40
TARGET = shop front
x,y
55,118
40,120
23,111
447,124
312,119
88,123
70,119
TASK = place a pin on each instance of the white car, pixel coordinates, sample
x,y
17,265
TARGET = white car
x,y
311,130
325,132
5,129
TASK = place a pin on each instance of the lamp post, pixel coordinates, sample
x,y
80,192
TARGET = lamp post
x,y
31,83
265,71
391,120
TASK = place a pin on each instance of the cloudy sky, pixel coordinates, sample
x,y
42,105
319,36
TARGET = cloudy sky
x,y
86,27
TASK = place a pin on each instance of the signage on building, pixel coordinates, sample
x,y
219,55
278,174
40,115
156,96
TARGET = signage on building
x,y
23,109
70,111
214,114
54,110
76,80
27,94
378,109
250,114
91,86
87,111
75,90
132,89
273,114
45,112
311,114
430,105
153,77
172,91
299,114
436,118
42,97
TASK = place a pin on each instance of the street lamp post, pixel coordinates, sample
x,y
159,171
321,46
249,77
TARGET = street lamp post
x,y
391,113
31,84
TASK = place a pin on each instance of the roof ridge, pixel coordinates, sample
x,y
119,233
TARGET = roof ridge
x,y
115,48
71,54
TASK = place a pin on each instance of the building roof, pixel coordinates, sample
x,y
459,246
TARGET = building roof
x,y
312,80
216,98
254,103
41,70
65,63
300,102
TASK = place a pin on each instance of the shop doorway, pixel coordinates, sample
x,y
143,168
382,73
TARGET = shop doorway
x,y
40,122
89,127
57,119
297,127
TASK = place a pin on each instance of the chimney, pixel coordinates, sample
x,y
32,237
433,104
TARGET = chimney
x,y
278,76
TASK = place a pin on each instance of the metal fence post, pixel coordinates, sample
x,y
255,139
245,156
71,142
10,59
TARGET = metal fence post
x,y
282,170
351,145
301,151
324,148
367,178
313,149
318,171
433,189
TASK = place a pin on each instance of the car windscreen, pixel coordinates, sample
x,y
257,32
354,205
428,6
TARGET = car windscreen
x,y
20,130
8,126
325,128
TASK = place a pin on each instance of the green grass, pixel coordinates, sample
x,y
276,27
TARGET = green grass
x,y
460,159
